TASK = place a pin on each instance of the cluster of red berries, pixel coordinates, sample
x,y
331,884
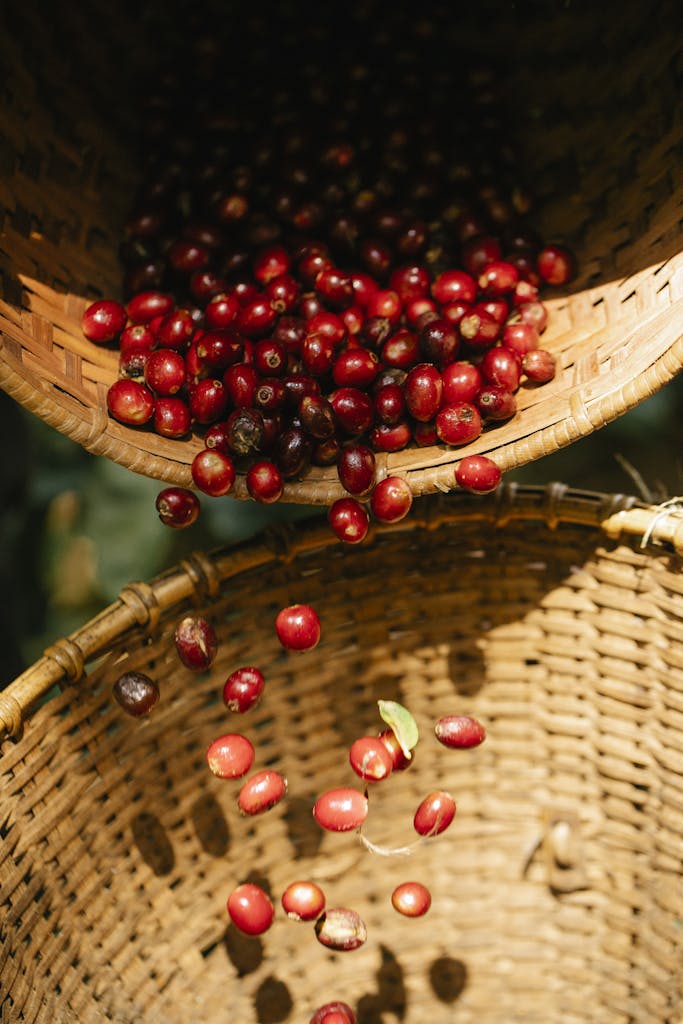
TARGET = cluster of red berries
x,y
372,758
346,286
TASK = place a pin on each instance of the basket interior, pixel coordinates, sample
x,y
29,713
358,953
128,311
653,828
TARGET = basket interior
x,y
120,848
591,116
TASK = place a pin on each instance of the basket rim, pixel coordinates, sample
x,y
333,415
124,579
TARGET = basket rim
x,y
613,352
140,604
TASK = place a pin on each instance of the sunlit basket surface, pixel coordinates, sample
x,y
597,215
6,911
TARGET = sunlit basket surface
x,y
592,92
555,617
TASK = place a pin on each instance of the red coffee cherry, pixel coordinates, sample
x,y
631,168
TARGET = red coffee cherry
x,y
478,474
434,814
356,468
130,402
261,792
539,365
265,482
412,899
145,306
391,499
298,627
370,759
303,901
230,756
458,424
459,732
104,320
250,909
556,264
243,689
341,810
343,1011
349,520
399,761
213,472
177,507
196,643
423,391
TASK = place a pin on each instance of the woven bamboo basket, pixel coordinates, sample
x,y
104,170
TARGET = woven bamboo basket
x,y
592,92
554,616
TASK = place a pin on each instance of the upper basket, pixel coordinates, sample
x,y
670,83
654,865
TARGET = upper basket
x,y
599,132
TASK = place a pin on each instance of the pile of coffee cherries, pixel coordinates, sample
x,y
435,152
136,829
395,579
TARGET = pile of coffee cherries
x,y
360,278
344,809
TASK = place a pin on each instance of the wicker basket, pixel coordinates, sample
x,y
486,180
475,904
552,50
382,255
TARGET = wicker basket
x,y
598,127
553,616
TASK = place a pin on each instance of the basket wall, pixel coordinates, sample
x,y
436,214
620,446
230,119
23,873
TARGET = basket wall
x,y
594,114
120,848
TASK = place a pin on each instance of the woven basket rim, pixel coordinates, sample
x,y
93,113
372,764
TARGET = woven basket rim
x,y
141,604
606,366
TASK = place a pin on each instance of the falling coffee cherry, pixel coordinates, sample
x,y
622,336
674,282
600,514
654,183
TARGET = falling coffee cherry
x,y
459,731
298,627
412,899
136,693
196,643
341,929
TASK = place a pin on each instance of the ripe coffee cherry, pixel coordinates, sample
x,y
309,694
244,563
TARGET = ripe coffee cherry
x,y
243,688
423,391
479,330
344,1014
354,367
341,810
352,409
391,499
439,342
261,792
208,400
303,901
370,759
177,507
539,365
454,286
196,642
213,472
496,403
459,732
145,306
520,338
171,417
478,474
130,402
349,520
502,367
356,468
165,371
341,929
534,313
221,311
230,756
555,264
176,329
391,438
411,899
498,279
399,761
104,320
265,482
458,424
298,627
478,252
411,282
434,814
244,432
250,909
137,337
136,693
401,349
461,382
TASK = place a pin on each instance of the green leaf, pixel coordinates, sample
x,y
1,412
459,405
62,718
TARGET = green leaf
x,y
402,722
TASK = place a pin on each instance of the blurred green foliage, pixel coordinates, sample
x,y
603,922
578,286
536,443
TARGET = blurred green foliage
x,y
74,528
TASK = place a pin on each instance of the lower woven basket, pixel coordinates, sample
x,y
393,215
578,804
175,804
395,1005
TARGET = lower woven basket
x,y
553,616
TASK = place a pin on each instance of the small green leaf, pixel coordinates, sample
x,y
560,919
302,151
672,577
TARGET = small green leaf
x,y
402,722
